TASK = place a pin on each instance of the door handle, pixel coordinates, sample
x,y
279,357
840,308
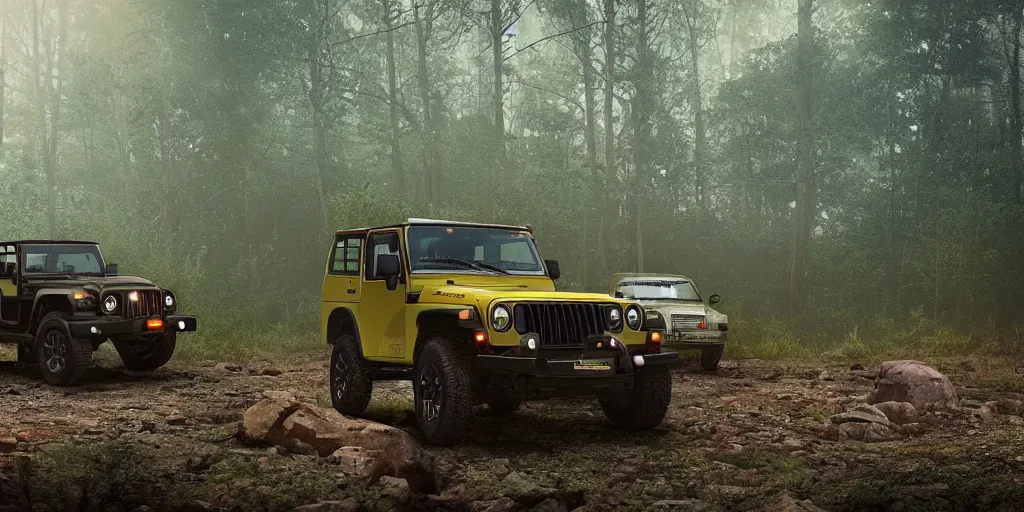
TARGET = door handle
x,y
351,291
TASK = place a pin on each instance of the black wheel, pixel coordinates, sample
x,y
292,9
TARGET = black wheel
x,y
62,358
351,386
505,402
146,355
442,392
643,407
710,357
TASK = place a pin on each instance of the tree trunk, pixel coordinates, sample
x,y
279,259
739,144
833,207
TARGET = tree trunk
x,y
396,147
641,127
1017,131
497,45
586,56
805,183
3,83
315,94
610,206
699,143
430,132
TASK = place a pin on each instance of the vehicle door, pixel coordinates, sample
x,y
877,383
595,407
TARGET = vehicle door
x,y
382,311
342,283
8,287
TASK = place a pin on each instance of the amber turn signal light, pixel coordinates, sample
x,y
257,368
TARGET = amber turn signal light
x,y
154,324
464,314
79,295
480,338
655,337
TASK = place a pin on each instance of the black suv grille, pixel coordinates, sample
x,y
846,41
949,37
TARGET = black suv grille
x,y
150,303
560,324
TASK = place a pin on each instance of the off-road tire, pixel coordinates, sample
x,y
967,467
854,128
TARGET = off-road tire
x,y
505,402
643,407
147,355
443,373
77,353
351,386
710,357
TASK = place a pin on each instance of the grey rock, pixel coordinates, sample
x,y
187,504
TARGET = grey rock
x,y
786,503
899,413
503,504
329,506
682,505
520,487
914,382
550,505
177,419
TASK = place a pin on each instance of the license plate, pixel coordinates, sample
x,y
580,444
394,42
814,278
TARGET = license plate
x,y
593,365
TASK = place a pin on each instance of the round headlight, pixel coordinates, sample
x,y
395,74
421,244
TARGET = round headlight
x,y
614,318
109,304
168,299
633,317
501,319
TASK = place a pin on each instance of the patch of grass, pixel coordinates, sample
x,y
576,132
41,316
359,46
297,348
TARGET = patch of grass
x,y
218,343
769,339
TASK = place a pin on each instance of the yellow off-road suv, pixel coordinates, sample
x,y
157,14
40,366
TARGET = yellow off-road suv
x,y
470,314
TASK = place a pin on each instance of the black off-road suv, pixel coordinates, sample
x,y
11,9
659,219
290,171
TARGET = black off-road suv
x,y
59,302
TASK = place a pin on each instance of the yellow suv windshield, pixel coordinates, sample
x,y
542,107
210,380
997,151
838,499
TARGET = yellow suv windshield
x,y
453,249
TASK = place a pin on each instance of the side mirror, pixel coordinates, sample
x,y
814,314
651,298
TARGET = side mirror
x,y
388,267
714,299
619,295
111,269
553,271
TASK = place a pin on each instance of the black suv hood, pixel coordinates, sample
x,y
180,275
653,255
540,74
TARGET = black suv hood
x,y
93,282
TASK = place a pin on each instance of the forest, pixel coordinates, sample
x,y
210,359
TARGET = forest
x,y
838,171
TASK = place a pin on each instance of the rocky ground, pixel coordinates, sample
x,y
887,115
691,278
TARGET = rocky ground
x,y
754,435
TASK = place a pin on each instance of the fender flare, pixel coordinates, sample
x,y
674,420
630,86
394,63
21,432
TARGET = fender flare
x,y
355,327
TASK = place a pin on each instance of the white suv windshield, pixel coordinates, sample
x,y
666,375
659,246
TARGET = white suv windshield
x,y
658,290
447,249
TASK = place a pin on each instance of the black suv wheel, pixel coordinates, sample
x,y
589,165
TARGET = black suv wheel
x,y
351,387
146,355
62,358
442,392
643,407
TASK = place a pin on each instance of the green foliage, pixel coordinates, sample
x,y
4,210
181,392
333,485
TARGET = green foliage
x,y
214,147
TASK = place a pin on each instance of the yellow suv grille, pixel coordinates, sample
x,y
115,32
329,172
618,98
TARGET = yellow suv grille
x,y
560,324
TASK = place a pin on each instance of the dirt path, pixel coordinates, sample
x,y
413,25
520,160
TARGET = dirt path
x,y
752,436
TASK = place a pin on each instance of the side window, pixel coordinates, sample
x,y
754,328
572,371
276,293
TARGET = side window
x,y
7,256
345,261
381,243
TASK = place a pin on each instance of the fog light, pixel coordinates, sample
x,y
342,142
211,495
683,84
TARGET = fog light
x,y
638,360
181,325
94,330
531,343
613,343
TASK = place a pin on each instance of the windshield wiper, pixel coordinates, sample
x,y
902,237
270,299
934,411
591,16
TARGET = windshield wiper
x,y
468,264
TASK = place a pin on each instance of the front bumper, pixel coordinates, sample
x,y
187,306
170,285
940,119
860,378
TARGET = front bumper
x,y
103,327
602,357
702,336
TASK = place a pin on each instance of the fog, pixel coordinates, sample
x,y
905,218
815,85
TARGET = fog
x,y
835,170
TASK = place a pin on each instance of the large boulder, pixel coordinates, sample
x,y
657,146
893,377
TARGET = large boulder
x,y
913,382
306,428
